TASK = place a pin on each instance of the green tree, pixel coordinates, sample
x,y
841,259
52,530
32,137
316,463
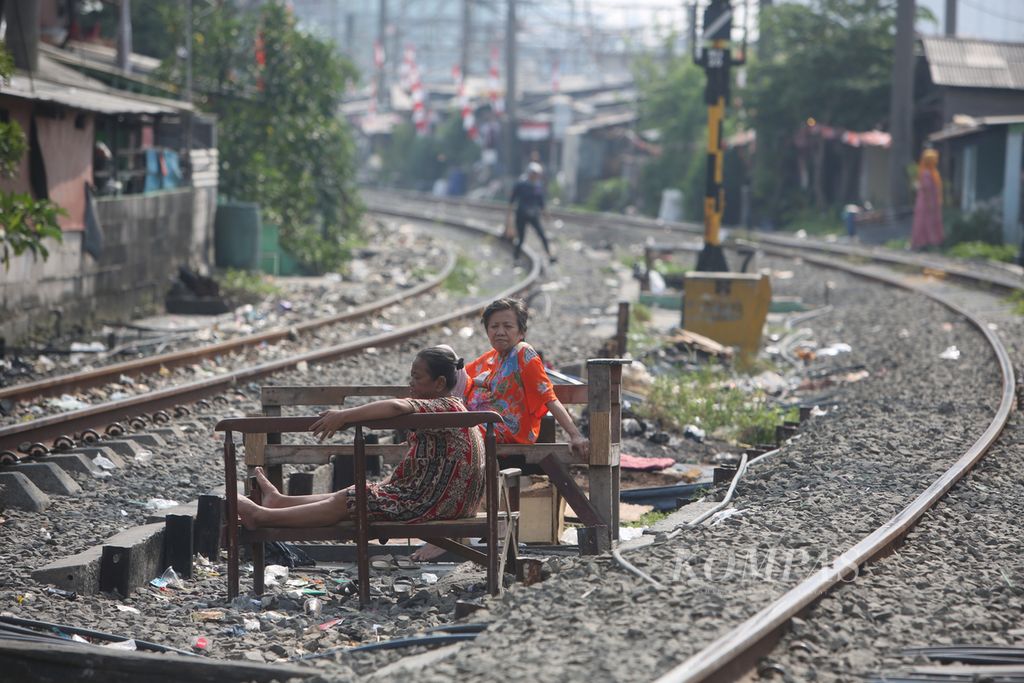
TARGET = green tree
x,y
415,161
25,223
281,140
831,61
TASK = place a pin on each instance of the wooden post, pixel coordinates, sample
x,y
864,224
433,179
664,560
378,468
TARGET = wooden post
x,y
494,578
362,520
274,474
604,403
231,493
622,328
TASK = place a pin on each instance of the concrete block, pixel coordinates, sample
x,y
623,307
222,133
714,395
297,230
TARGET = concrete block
x,y
73,463
126,448
49,478
172,432
307,483
19,493
81,572
92,451
146,440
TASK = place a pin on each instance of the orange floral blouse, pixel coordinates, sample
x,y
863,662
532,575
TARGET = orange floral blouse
x,y
516,387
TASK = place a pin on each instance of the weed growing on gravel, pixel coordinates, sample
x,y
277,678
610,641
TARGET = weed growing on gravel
x,y
640,338
648,519
709,399
1017,299
247,286
463,277
1005,253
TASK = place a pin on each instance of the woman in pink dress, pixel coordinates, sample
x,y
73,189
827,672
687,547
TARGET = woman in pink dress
x,y
927,228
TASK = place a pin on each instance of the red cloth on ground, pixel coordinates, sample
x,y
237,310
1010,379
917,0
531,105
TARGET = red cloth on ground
x,y
635,462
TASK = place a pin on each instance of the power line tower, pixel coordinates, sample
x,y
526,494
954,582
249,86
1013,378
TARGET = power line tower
x,y
714,54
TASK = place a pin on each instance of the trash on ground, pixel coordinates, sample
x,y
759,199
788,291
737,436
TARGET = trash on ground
x,y
644,464
122,645
274,574
156,504
67,402
952,353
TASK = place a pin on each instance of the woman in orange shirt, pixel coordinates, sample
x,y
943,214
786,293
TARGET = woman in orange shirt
x,y
510,379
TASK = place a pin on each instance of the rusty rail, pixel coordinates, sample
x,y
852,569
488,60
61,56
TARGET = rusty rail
x,y
96,417
91,378
734,654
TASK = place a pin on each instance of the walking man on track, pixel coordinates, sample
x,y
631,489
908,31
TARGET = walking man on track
x,y
528,197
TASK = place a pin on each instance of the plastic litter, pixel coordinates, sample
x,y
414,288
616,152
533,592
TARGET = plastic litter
x,y
275,574
695,433
245,603
835,349
67,402
199,643
429,579
160,504
128,608
313,607
57,592
657,282
122,645
104,463
88,347
143,457
251,624
952,353
171,578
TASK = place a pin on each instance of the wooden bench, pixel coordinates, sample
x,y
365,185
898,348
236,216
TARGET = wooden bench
x,y
442,532
601,395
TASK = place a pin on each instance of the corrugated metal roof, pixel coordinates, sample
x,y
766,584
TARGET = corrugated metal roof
x,y
964,63
58,84
968,126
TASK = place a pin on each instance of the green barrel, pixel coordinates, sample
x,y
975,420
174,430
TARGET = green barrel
x,y
237,232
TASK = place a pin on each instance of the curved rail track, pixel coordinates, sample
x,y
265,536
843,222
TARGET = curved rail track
x,y
28,439
735,654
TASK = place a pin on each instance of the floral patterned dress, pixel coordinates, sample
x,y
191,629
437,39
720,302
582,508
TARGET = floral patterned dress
x,y
441,477
516,387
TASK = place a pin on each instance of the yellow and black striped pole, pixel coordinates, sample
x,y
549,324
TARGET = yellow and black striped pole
x,y
716,59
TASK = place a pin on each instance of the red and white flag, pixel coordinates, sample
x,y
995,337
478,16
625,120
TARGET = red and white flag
x,y
494,83
468,118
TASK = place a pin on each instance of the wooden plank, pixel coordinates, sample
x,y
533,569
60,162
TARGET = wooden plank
x,y
209,515
255,447
336,395
178,544
572,493
462,550
327,395
601,493
598,387
600,437
319,454
77,662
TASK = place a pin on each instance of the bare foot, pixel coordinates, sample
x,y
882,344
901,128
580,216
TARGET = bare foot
x,y
428,552
271,496
247,512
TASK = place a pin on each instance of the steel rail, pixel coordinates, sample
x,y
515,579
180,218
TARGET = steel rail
x,y
616,221
99,376
54,426
735,653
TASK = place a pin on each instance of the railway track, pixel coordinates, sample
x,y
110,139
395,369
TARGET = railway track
x,y
735,653
30,439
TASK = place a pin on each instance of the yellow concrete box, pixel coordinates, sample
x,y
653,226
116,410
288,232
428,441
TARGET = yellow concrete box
x,y
728,307
541,511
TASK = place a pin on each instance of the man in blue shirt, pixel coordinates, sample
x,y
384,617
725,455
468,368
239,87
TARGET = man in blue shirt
x,y
528,196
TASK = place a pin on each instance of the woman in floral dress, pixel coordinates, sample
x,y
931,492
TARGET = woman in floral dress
x,y
441,476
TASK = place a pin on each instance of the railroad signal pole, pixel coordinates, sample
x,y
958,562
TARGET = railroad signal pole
x,y
714,55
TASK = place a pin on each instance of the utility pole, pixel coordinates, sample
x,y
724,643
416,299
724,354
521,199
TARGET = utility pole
x,y
188,81
124,36
382,41
951,18
467,28
764,42
511,124
901,103
716,57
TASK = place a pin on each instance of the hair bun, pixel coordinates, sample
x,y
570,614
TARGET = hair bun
x,y
460,363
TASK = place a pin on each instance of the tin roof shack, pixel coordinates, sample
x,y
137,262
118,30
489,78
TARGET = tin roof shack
x,y
146,214
984,167
966,76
